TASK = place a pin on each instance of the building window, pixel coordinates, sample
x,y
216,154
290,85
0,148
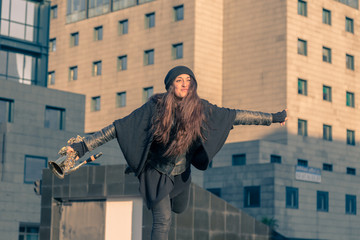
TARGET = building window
x,y
179,13
327,132
122,63
121,4
33,168
177,51
29,231
302,127
302,87
326,54
350,204
6,110
326,16
327,167
350,62
52,45
327,93
98,33
149,57
302,162
147,93
123,27
215,191
302,47
95,103
350,171
51,78
18,67
98,7
53,12
302,8
96,68
292,197
120,99
150,20
322,201
238,159
349,25
350,99
73,73
19,19
75,10
252,196
54,118
74,39
350,137
350,3
275,158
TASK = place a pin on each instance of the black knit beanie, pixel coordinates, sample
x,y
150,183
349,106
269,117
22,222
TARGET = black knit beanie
x,y
176,71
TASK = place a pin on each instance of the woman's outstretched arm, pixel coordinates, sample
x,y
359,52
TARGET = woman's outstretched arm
x,y
244,117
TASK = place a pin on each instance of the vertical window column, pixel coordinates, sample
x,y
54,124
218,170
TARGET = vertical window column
x,y
6,110
95,104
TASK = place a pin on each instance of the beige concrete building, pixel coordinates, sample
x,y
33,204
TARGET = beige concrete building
x,y
257,55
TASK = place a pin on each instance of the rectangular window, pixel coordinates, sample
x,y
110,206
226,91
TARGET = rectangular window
x,y
98,7
54,118
292,197
302,87
326,16
147,93
149,57
150,20
350,204
123,27
327,93
350,137
350,99
95,103
179,13
73,73
52,45
53,12
215,191
350,62
6,110
327,167
275,158
302,127
122,63
322,201
349,25
239,159
98,33
302,8
29,231
350,171
96,68
302,47
76,10
350,3
252,196
51,78
120,99
74,39
327,132
326,54
33,168
302,162
121,4
177,51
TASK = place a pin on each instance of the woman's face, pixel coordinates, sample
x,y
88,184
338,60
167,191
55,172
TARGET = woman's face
x,y
182,84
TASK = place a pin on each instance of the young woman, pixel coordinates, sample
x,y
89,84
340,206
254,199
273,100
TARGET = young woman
x,y
162,138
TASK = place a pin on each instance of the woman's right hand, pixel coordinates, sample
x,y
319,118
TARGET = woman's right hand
x,y
71,151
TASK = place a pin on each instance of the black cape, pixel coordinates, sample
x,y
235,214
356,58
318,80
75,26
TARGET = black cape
x,y
134,136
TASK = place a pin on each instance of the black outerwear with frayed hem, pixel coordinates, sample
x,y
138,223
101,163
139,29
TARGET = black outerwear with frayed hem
x,y
134,136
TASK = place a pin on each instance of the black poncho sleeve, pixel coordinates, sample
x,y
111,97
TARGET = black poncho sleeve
x,y
218,123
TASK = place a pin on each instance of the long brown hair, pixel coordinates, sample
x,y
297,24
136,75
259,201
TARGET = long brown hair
x,y
178,122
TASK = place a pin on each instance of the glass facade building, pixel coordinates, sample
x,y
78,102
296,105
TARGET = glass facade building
x,y
24,37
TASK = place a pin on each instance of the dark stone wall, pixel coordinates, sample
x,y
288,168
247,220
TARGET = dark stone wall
x,y
207,217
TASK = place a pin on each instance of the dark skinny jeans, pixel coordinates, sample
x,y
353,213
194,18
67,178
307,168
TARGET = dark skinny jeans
x,y
162,213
